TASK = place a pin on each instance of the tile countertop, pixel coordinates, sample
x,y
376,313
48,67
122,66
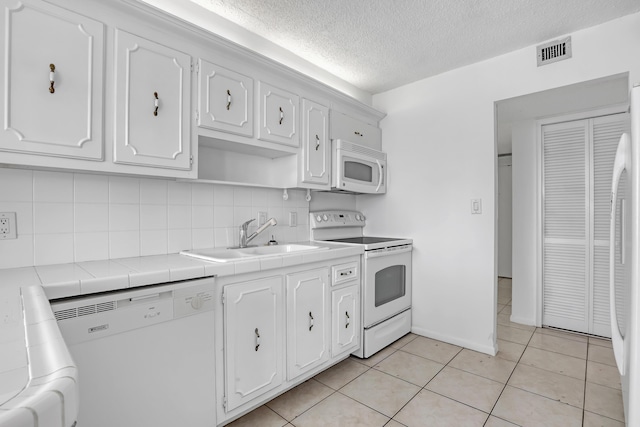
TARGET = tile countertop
x,y
38,378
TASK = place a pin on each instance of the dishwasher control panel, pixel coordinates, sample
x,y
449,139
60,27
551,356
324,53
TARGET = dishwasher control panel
x,y
192,300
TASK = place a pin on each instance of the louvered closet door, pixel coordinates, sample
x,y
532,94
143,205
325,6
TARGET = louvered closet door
x,y
606,133
565,226
577,166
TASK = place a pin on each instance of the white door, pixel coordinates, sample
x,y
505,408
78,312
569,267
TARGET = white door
x,y
504,216
225,99
254,339
316,147
278,116
52,77
307,323
153,92
345,328
577,166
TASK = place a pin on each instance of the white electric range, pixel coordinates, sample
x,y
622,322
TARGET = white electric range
x,y
386,284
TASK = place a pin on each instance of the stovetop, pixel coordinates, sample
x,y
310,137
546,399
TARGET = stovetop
x,y
346,227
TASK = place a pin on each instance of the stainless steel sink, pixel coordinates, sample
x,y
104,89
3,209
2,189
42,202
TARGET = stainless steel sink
x,y
226,255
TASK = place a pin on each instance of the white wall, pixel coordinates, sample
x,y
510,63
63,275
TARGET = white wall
x,y
525,225
440,137
71,217
504,216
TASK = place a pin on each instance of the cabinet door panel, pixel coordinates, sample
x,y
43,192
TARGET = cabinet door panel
x,y
345,335
307,333
356,131
225,100
278,116
149,74
254,328
68,121
315,145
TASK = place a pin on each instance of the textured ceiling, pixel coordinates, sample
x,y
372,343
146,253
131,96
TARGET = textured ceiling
x,y
377,45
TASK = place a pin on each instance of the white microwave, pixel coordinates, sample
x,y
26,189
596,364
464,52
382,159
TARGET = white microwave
x,y
358,169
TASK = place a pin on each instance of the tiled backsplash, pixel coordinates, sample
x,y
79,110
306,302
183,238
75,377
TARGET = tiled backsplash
x,y
65,217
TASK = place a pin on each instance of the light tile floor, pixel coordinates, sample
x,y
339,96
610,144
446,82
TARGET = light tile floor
x,y
540,377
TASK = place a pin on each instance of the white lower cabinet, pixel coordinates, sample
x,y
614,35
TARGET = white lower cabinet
x,y
307,321
254,339
345,332
278,328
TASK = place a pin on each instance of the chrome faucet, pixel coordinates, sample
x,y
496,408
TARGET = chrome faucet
x,y
244,239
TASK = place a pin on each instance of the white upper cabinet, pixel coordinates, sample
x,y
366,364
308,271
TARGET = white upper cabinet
x,y
278,116
315,161
52,81
354,130
225,99
152,106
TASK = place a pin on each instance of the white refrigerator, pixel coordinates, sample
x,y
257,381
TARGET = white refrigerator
x,y
624,262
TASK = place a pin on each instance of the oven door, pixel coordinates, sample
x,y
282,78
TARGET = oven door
x,y
387,283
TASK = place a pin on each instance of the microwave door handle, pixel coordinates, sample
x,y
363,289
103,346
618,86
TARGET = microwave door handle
x,y
379,175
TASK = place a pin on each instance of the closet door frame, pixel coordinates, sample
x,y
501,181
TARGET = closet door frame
x,y
615,109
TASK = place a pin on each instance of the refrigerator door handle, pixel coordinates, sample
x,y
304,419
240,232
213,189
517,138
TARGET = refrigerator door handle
x,y
620,164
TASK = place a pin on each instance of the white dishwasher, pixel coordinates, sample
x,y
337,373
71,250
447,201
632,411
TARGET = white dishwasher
x,y
145,356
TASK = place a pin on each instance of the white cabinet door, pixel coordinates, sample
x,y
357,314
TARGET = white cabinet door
x,y
38,43
225,99
316,147
253,336
278,116
307,324
152,104
353,130
345,334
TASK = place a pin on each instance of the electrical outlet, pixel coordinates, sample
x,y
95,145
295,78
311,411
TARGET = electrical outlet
x,y
293,219
8,225
262,218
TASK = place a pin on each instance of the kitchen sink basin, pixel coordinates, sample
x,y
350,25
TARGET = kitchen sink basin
x,y
235,254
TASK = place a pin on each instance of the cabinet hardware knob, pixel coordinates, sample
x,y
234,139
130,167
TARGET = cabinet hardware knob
x,y
281,115
52,77
358,133
156,102
310,321
228,99
257,339
317,142
347,324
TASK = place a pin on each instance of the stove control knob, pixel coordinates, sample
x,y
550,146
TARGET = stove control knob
x,y
358,217
319,218
325,217
362,218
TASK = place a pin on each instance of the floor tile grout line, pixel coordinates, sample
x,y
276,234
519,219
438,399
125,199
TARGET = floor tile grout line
x,y
510,375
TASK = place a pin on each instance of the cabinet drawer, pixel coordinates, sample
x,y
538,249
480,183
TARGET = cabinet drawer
x,y
353,130
344,273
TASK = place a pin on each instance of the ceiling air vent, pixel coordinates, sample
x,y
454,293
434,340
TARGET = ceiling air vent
x,y
554,51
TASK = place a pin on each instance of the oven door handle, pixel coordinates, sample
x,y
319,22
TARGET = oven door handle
x,y
387,252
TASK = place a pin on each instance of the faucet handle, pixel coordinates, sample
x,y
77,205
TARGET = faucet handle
x,y
245,225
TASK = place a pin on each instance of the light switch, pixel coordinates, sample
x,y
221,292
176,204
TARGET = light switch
x,y
476,206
